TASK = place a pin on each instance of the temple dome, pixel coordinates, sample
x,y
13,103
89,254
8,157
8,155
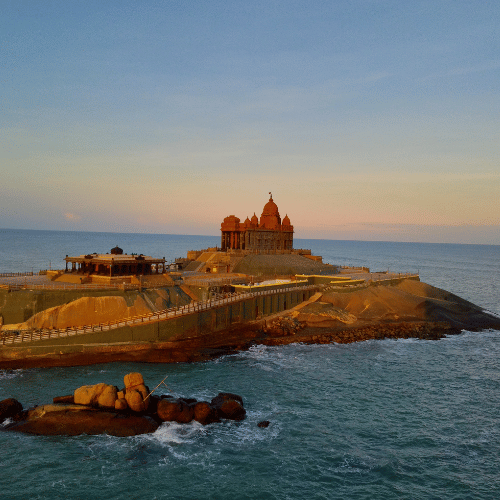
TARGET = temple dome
x,y
270,208
254,220
286,221
270,218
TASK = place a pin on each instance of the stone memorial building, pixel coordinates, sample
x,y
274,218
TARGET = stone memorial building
x,y
269,233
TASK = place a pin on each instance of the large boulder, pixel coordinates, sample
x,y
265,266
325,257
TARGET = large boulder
x,y
186,414
204,413
131,380
168,410
73,420
96,395
10,408
135,401
107,398
229,406
136,393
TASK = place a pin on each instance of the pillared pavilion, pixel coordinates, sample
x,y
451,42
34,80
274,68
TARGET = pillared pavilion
x,y
269,233
116,263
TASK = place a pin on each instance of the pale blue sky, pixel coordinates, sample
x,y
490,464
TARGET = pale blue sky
x,y
367,119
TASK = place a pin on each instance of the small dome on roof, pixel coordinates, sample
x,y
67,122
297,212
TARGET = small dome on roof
x,y
286,221
255,219
116,251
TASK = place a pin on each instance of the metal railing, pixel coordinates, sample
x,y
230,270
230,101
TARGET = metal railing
x,y
70,286
19,336
12,275
370,281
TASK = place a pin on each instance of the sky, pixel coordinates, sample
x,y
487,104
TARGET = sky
x,y
366,119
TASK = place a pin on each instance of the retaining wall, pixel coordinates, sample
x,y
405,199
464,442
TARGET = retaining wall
x,y
186,326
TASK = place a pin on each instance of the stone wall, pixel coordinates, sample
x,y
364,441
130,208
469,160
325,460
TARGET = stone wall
x,y
191,326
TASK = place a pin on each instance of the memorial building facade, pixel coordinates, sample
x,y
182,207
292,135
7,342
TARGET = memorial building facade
x,y
268,234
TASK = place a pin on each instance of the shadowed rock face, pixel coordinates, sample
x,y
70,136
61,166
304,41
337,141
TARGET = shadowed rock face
x,y
73,420
229,406
10,408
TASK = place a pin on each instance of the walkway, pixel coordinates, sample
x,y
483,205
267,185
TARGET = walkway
x,y
19,336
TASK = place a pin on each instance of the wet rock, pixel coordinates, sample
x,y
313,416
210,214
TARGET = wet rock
x,y
229,406
188,401
204,413
102,408
168,410
224,396
73,420
10,408
263,424
153,405
186,414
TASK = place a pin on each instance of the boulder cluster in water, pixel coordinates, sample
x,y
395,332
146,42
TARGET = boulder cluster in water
x,y
103,408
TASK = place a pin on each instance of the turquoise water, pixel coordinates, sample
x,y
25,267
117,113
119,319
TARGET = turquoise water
x,y
377,419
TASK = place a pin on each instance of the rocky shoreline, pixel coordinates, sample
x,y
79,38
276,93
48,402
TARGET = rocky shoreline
x,y
410,309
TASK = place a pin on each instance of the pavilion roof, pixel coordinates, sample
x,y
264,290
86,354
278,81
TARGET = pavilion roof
x,y
115,258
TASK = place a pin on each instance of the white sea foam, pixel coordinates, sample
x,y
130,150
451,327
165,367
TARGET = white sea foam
x,y
10,374
173,432
6,422
265,357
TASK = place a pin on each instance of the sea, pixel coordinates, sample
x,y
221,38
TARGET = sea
x,y
380,419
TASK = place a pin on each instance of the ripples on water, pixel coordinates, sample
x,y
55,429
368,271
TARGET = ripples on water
x,y
378,419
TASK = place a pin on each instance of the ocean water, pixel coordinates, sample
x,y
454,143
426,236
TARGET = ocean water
x,y
387,419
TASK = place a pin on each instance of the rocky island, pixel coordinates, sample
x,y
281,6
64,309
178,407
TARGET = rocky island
x,y
103,408
255,289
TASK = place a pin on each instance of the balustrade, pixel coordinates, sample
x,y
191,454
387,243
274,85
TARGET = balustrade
x,y
170,313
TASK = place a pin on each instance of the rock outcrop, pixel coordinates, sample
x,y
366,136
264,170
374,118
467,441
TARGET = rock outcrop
x,y
84,311
409,307
229,406
73,420
101,408
10,408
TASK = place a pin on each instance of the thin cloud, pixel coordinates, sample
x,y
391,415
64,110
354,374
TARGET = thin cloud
x,y
464,70
72,217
